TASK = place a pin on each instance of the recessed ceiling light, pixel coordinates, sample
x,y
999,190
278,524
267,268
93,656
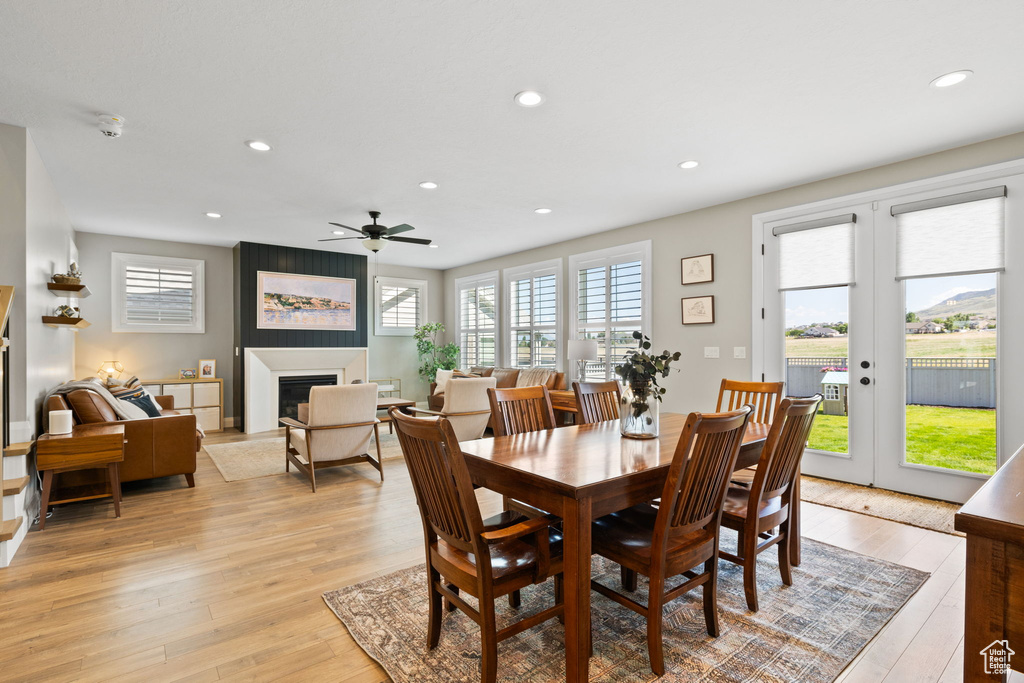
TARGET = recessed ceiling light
x,y
529,98
434,246
689,164
542,210
953,78
428,185
339,232
212,214
258,145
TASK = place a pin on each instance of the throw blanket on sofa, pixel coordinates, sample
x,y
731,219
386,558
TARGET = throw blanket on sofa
x,y
123,410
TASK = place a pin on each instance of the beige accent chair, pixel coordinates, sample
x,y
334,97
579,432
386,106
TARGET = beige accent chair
x,y
341,421
466,407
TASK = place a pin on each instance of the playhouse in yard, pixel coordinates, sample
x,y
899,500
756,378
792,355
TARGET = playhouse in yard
x,y
834,386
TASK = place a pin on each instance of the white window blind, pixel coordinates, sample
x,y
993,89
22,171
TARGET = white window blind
x,y
953,235
533,315
401,305
157,294
477,321
610,293
816,253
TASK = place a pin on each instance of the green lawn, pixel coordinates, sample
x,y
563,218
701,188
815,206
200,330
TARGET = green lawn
x,y
980,344
954,438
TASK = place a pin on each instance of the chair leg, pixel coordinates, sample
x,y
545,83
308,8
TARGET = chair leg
x,y
515,599
488,640
312,475
655,650
711,597
628,578
559,596
785,559
434,621
448,604
190,478
749,541
380,463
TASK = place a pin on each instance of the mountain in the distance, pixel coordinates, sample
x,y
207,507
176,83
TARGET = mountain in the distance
x,y
981,303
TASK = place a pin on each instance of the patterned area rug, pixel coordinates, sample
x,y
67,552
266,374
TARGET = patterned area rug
x,y
808,632
265,457
925,513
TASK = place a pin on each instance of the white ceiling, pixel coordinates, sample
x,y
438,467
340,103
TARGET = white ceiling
x,y
363,99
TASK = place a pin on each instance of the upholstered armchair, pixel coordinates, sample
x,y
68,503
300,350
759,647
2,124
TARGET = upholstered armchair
x,y
342,419
465,405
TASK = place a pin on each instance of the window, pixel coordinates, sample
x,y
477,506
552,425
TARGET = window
x,y
476,319
401,305
157,294
533,314
831,392
611,291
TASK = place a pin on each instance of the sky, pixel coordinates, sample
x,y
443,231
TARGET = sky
x,y
808,306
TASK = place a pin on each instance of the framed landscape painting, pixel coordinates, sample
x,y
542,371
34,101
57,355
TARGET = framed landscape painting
x,y
287,301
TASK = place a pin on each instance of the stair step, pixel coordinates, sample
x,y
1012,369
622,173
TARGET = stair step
x,y
16,449
15,486
9,528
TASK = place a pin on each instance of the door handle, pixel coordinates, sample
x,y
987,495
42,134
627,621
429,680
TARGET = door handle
x,y
865,380
864,364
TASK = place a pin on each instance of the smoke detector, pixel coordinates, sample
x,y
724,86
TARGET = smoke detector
x,y
111,125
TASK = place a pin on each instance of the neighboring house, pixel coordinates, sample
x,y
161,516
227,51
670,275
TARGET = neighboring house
x,y
820,332
926,327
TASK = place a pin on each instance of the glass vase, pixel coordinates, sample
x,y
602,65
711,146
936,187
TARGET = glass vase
x,y
638,411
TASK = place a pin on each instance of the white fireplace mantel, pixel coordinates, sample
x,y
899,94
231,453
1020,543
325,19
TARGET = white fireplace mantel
x,y
265,366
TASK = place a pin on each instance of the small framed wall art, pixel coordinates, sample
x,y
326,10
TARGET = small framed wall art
x,y
207,369
696,269
187,373
698,310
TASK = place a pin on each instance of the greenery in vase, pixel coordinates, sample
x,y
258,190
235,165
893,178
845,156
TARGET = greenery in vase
x,y
433,355
640,371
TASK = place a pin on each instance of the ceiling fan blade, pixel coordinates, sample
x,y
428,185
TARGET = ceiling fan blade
x,y
410,240
338,239
347,227
404,227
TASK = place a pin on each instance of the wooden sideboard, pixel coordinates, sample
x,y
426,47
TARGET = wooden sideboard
x,y
993,520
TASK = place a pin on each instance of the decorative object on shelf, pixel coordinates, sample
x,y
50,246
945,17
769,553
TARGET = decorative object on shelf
x,y
72,277
696,269
582,350
65,311
287,301
207,369
187,373
641,396
433,355
109,368
698,310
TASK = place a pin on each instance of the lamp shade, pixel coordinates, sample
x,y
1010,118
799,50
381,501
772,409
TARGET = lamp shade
x,y
375,244
110,367
582,349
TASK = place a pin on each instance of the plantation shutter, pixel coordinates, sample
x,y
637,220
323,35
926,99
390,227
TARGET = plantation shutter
x,y
952,235
816,253
157,294
533,317
477,322
401,305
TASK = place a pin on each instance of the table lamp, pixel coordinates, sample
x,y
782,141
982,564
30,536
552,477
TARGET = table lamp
x,y
582,350
110,367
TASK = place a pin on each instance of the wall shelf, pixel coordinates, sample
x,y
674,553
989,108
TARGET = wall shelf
x,y
60,321
71,291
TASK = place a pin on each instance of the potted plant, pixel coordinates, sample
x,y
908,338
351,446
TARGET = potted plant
x,y
433,355
641,395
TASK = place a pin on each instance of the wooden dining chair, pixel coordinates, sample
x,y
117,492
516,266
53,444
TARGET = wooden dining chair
x,y
521,409
765,397
761,513
596,401
682,532
486,559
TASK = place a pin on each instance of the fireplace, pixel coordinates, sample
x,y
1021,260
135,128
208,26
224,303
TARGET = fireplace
x,y
294,389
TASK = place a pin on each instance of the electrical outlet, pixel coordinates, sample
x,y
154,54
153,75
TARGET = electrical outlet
x,y
739,352
711,352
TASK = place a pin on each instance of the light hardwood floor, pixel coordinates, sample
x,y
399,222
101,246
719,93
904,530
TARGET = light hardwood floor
x,y
223,581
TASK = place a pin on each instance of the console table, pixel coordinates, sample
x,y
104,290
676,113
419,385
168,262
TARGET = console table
x,y
86,447
993,520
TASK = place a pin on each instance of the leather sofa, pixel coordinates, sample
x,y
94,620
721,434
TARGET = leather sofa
x,y
505,378
155,447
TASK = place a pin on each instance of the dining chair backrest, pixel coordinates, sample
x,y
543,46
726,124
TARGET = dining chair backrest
x,y
699,474
765,398
521,409
780,459
441,480
596,401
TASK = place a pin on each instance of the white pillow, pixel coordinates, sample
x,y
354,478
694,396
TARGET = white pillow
x,y
441,379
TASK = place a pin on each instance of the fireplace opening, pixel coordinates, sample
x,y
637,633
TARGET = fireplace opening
x,y
295,390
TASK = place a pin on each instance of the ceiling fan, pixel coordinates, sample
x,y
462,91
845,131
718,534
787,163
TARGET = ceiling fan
x,y
376,237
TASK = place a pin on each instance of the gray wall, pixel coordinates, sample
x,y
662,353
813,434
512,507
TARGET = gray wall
x,y
724,230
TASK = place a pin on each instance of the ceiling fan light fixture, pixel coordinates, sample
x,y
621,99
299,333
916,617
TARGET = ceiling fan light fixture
x,y
258,145
952,78
428,185
374,244
529,98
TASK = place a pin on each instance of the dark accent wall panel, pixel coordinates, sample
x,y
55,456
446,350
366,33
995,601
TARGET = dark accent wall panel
x,y
251,258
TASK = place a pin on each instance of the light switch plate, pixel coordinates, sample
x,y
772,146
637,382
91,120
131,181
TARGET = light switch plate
x,y
739,352
711,352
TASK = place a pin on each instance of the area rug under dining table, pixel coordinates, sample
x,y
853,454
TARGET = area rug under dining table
x,y
808,632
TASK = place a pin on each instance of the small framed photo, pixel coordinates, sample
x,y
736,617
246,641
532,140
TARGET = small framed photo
x,y
207,369
698,310
697,269
187,373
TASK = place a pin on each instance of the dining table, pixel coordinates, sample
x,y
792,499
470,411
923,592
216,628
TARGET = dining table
x,y
580,473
